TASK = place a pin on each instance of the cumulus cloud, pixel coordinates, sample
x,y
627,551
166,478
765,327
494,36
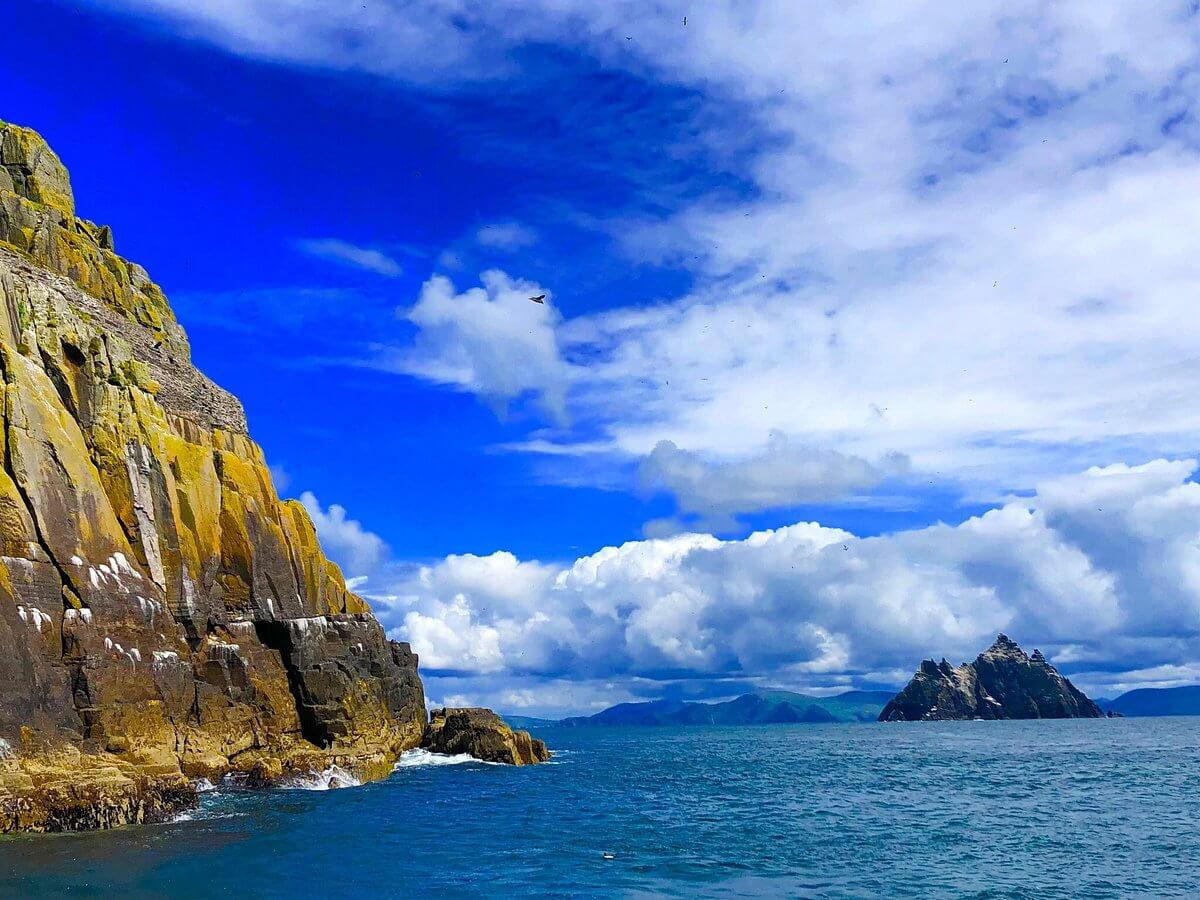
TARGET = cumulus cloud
x,y
711,492
359,552
357,257
489,340
506,236
1100,570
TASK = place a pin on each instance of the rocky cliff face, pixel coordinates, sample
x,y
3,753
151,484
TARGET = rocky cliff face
x,y
1002,683
163,614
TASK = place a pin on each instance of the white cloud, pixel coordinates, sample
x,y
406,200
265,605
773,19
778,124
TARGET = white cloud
x,y
784,474
1100,570
489,340
967,245
970,245
352,255
506,236
359,552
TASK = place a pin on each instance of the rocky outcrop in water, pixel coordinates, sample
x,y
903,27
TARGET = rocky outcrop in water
x,y
1002,683
482,734
163,614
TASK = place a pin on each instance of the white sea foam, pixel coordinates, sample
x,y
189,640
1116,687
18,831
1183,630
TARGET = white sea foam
x,y
412,759
330,779
206,810
203,786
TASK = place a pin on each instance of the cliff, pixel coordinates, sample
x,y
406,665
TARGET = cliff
x,y
1002,683
163,614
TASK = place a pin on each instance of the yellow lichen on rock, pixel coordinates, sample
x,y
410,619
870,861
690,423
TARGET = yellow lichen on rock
x,y
163,614
33,170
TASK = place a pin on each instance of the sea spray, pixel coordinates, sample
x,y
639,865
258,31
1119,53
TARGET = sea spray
x,y
326,780
413,759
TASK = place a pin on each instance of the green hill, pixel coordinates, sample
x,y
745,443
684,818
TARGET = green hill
x,y
759,708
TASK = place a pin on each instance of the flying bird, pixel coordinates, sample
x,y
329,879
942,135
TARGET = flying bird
x,y
540,298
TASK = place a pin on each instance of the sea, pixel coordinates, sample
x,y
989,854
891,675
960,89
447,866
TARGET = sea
x,y
1076,808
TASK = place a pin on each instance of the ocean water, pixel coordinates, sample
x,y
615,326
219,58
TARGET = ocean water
x,y
1083,808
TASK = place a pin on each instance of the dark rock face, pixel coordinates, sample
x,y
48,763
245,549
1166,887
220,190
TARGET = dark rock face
x,y
1002,683
350,682
482,734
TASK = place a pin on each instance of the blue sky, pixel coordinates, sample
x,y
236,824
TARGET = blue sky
x,y
212,169
868,268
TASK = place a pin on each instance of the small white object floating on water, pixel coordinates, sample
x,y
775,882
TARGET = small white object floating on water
x,y
607,855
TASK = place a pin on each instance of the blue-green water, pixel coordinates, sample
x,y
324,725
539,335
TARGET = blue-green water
x,y
988,809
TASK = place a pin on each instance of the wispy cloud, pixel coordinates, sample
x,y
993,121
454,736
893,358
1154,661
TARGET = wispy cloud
x,y
506,236
711,494
346,253
968,246
281,478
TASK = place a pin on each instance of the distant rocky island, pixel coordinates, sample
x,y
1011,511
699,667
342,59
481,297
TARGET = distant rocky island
x,y
1002,683
164,616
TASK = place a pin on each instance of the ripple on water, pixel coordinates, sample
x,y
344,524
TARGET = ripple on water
x,y
1005,809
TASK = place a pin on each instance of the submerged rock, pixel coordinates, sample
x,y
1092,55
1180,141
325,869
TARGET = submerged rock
x,y
164,615
1002,683
482,734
